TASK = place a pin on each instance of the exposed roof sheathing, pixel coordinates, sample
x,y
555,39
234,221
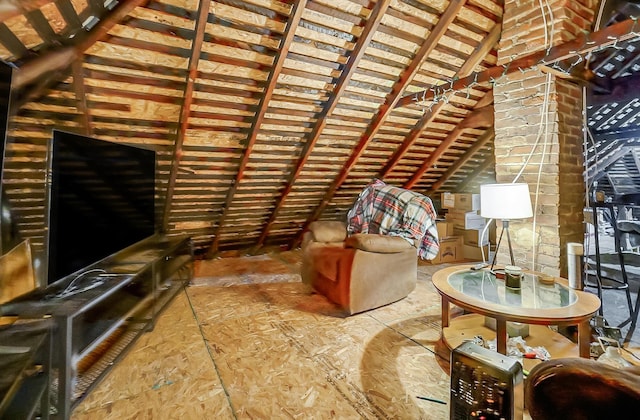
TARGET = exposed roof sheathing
x,y
265,115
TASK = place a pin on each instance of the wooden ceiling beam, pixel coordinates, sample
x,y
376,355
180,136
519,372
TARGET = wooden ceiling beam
x,y
488,163
435,155
96,6
626,68
369,29
581,45
385,109
479,117
41,25
481,142
11,42
289,34
66,9
59,60
196,48
81,97
12,8
448,142
434,110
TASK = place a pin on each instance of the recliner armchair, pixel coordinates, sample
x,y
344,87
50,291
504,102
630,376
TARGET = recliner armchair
x,y
358,272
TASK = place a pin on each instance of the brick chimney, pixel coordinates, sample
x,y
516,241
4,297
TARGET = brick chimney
x,y
539,113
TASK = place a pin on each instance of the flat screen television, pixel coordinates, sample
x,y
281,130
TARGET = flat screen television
x,y
102,200
8,237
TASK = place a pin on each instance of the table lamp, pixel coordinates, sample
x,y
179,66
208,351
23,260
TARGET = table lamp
x,y
505,202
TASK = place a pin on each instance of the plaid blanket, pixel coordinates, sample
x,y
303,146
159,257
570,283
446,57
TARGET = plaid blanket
x,y
389,210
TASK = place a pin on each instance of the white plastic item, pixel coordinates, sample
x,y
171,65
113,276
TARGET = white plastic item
x,y
612,357
575,251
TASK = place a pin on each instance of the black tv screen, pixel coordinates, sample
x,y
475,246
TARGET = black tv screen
x,y
101,200
6,74
8,233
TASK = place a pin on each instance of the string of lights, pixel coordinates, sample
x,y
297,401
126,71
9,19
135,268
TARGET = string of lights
x,y
580,49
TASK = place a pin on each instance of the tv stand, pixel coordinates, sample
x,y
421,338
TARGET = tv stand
x,y
100,311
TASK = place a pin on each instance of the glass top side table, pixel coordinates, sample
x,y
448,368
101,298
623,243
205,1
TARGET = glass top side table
x,y
533,293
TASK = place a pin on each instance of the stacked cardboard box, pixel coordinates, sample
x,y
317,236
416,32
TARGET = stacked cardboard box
x,y
463,214
450,245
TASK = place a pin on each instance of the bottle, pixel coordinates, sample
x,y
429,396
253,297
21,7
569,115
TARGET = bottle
x,y
575,251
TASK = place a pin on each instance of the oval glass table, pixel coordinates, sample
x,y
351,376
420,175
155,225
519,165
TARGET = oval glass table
x,y
535,303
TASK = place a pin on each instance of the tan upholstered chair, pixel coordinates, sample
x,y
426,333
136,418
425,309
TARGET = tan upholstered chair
x,y
359,272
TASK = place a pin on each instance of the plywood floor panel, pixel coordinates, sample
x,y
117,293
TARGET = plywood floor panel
x,y
195,398
170,359
334,357
233,347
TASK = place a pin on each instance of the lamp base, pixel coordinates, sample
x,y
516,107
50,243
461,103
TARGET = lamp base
x,y
505,228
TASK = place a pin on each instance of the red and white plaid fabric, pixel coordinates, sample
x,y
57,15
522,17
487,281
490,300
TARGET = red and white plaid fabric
x,y
393,211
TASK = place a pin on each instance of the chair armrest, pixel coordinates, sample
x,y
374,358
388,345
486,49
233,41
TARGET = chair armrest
x,y
378,243
328,231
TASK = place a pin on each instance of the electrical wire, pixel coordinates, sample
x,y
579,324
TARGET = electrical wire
x,y
71,290
543,128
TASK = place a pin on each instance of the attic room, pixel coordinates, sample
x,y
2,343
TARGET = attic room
x,y
319,209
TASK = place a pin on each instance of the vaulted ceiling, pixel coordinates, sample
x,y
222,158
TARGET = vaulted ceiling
x,y
265,115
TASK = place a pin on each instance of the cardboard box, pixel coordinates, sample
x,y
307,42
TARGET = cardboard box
x,y
466,202
450,250
472,236
447,200
473,252
445,229
465,220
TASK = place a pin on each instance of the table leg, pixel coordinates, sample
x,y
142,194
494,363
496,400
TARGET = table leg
x,y
584,339
445,312
501,336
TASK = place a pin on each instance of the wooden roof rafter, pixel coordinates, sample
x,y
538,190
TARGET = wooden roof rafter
x,y
483,167
290,30
363,42
581,45
65,7
81,97
37,74
481,109
482,141
474,59
12,8
185,108
41,25
387,107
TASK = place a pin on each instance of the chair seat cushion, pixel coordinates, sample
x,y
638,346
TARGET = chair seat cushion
x,y
378,243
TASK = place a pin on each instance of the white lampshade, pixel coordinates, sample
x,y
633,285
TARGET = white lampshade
x,y
505,201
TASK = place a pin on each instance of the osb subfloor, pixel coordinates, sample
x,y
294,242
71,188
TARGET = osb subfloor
x,y
246,340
